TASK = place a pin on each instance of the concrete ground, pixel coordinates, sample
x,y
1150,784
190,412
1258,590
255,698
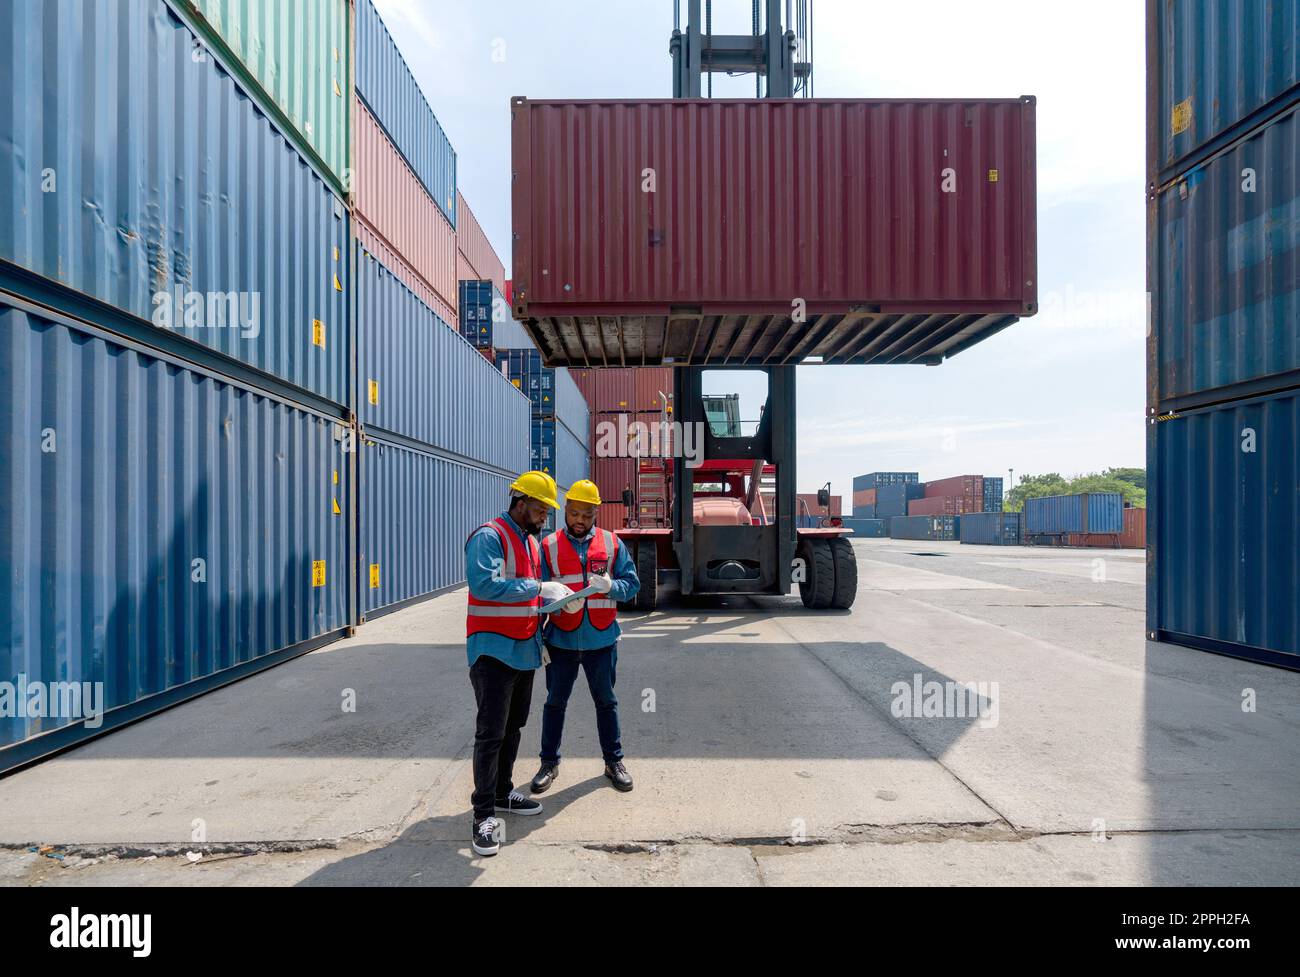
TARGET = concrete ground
x,y
770,745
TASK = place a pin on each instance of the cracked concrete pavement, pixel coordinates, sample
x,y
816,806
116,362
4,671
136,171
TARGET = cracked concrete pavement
x,y
765,740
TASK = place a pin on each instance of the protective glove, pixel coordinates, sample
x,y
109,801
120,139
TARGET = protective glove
x,y
553,590
601,582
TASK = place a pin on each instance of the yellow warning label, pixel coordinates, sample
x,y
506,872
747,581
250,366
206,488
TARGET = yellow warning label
x,y
374,393
336,252
993,176
337,91
317,333
374,576
336,476
338,285
318,573
1181,120
337,510
515,382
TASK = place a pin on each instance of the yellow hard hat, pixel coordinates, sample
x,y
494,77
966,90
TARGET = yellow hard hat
x,y
538,485
583,490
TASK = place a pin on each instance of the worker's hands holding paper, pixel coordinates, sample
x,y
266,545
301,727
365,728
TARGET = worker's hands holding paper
x,y
553,590
600,582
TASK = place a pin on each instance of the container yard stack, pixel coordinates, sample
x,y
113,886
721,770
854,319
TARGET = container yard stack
x,y
867,528
177,413
1223,350
1086,519
865,488
925,527
992,494
809,514
953,496
893,500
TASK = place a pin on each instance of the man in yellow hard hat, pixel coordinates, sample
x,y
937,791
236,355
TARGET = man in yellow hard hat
x,y
584,633
503,641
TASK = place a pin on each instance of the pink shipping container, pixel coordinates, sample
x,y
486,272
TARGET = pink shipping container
x,y
938,505
373,242
475,249
624,389
907,228
968,488
395,204
810,498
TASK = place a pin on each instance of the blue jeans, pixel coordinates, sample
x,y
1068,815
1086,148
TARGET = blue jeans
x,y
561,674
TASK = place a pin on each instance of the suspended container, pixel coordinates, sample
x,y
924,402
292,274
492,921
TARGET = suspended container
x,y
166,530
297,56
394,99
179,203
778,230
420,380
417,510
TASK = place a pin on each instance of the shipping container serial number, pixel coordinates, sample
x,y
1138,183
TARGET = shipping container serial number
x,y
1187,919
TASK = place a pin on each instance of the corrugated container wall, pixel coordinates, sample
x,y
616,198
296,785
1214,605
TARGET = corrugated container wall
x,y
1214,69
412,539
810,499
991,528
162,527
1226,261
892,500
1134,535
938,505
137,191
372,241
992,494
626,388
392,200
867,528
1089,512
925,527
875,480
1224,568
477,250
394,98
941,270
299,54
419,379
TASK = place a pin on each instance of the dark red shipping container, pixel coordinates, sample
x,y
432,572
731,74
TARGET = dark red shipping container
x,y
969,489
746,231
810,499
631,389
938,505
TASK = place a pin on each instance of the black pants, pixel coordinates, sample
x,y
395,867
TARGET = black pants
x,y
503,694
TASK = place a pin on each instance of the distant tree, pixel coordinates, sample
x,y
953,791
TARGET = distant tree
x,y
1035,487
1053,483
1136,476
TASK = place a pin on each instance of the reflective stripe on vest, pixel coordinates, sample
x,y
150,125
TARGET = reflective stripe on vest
x,y
516,620
567,568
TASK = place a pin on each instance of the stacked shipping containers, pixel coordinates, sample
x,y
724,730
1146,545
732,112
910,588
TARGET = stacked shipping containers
x,y
1223,352
182,333
866,487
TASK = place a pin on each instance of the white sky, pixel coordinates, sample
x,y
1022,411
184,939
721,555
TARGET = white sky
x,y
1062,391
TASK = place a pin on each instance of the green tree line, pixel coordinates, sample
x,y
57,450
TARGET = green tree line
x,y
1129,482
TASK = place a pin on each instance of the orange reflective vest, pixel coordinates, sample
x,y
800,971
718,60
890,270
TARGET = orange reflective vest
x,y
565,566
523,561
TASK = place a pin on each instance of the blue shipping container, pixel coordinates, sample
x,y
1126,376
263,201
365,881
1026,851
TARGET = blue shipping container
x,y
868,528
394,98
486,320
891,500
925,527
1223,557
992,494
880,479
1226,267
552,392
1214,70
421,380
417,510
135,173
991,528
864,512
165,530
1089,512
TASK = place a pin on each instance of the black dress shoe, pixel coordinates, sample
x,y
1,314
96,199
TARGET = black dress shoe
x,y
544,778
618,775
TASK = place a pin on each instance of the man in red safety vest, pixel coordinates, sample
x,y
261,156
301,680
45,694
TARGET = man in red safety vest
x,y
503,640
584,634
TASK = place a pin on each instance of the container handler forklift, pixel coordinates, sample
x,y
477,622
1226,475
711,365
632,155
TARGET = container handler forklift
x,y
722,541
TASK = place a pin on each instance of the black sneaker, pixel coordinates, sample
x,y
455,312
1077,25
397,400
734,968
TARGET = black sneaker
x,y
544,778
618,776
517,803
486,837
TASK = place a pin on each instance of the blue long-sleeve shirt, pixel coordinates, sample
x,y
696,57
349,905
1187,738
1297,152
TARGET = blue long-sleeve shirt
x,y
483,558
585,637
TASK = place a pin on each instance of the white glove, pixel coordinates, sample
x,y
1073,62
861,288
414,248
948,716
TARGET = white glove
x,y
553,590
601,582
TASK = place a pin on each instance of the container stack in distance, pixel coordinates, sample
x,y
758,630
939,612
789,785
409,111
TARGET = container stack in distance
x,y
1223,382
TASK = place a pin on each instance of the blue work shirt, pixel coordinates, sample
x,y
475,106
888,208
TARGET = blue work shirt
x,y
483,559
585,637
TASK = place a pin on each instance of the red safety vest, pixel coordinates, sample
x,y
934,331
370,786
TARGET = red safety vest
x,y
523,561
566,568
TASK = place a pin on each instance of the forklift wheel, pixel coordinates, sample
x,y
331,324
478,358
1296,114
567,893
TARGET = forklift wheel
x,y
647,568
818,586
846,573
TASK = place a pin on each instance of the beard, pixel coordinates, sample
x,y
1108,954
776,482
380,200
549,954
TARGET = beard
x,y
582,535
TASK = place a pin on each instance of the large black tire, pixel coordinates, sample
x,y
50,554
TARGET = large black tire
x,y
818,586
647,568
846,574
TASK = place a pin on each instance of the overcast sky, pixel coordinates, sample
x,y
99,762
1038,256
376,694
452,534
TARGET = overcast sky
x,y
1063,391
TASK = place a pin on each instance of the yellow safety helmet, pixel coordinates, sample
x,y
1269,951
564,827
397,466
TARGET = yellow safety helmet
x,y
538,485
583,490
